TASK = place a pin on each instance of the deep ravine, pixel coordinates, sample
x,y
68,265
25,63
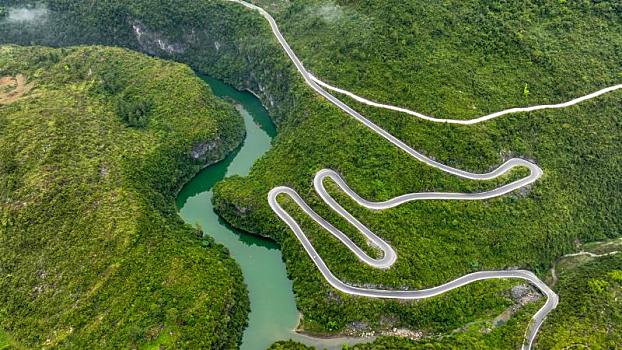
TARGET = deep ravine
x,y
273,314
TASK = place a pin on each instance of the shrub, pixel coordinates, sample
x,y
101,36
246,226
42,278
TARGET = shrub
x,y
134,112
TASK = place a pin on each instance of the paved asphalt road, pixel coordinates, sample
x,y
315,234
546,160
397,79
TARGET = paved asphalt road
x,y
390,256
468,121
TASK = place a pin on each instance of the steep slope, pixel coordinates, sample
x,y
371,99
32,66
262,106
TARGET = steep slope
x,y
576,200
458,59
92,154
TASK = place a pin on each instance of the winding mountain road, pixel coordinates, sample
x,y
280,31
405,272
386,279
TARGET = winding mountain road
x,y
468,121
389,256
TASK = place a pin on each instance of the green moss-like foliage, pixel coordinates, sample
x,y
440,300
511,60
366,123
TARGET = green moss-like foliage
x,y
4,341
92,251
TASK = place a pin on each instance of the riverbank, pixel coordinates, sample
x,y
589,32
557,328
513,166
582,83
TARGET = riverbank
x,y
478,73
92,253
273,311
273,314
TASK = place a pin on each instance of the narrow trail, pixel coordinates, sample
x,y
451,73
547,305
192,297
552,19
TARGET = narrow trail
x,y
389,256
590,254
581,253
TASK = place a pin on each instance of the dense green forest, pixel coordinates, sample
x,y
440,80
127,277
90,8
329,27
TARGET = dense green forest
x,y
457,58
578,199
453,59
590,311
589,315
213,36
92,251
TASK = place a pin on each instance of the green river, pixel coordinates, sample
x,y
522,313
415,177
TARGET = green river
x,y
273,313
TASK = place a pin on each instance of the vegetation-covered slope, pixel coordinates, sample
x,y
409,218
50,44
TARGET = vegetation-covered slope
x,y
589,315
590,310
456,59
576,200
213,36
92,252
4,341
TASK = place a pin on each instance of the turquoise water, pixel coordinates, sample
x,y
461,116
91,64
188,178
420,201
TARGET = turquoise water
x,y
273,313
273,310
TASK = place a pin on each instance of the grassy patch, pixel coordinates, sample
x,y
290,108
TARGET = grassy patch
x,y
4,341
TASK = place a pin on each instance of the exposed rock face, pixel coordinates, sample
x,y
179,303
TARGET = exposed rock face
x,y
524,294
242,210
103,171
359,326
204,149
154,43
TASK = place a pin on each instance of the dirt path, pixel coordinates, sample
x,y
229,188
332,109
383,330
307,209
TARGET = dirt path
x,y
13,88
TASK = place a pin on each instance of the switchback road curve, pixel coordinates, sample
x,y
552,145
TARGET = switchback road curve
x,y
389,255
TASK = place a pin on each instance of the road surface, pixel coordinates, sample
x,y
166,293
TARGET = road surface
x,y
389,256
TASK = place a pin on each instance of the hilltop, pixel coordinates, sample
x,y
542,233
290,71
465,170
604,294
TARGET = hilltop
x,y
94,145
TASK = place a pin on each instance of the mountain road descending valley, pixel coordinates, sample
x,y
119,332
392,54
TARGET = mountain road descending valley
x,y
389,257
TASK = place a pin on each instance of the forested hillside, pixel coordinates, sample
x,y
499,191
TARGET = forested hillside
x,y
460,64
94,145
455,59
213,36
590,311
